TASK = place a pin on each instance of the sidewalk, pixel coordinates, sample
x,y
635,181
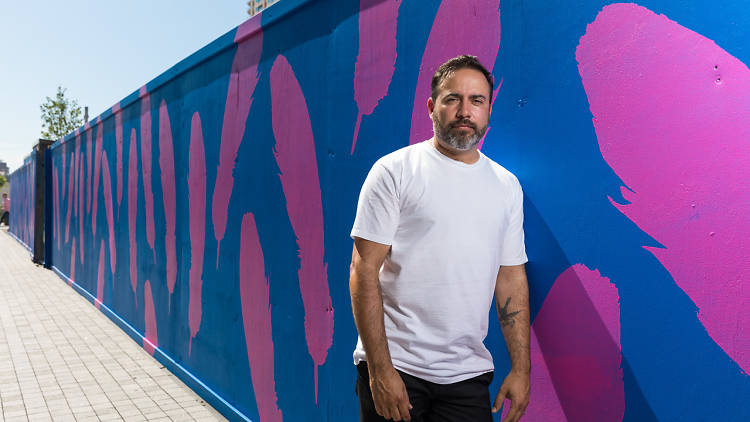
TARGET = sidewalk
x,y
63,360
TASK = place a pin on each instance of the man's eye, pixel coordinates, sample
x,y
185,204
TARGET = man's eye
x,y
450,100
478,101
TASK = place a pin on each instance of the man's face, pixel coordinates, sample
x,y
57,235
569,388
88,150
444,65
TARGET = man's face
x,y
461,112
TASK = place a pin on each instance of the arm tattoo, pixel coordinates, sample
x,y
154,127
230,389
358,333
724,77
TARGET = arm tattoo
x,y
507,319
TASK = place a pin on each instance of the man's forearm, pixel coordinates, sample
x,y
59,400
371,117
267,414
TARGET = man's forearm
x,y
512,300
367,305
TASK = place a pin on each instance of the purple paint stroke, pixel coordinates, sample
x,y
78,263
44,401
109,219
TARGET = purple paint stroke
x,y
150,337
197,211
72,277
256,318
576,363
81,192
56,204
71,190
97,168
295,155
166,165
376,59
460,27
64,166
133,211
76,165
108,205
89,141
146,165
118,145
666,102
242,81
100,278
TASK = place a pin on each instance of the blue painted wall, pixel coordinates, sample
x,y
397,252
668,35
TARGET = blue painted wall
x,y
588,265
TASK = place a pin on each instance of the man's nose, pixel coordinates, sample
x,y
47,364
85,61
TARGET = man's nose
x,y
463,111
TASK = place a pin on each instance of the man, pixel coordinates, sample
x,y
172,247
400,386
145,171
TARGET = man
x,y
438,231
4,216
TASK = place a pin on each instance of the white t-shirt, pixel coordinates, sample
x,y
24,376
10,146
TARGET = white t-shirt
x,y
451,225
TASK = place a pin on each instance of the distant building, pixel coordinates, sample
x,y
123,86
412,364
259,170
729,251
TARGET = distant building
x,y
4,170
257,6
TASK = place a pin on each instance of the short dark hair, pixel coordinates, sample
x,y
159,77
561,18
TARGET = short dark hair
x,y
447,69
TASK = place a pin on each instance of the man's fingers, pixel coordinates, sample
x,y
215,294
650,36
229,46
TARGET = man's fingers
x,y
499,401
403,408
515,412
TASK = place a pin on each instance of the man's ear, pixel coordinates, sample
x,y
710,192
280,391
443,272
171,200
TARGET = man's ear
x,y
430,105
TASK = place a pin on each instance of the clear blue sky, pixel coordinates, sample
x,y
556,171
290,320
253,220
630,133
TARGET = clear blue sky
x,y
101,51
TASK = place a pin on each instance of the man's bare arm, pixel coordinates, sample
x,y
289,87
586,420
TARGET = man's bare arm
x,y
388,390
512,301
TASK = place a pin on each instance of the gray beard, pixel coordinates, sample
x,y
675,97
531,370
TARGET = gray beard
x,y
460,143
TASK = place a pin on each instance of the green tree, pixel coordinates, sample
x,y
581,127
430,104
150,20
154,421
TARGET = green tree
x,y
2,180
60,115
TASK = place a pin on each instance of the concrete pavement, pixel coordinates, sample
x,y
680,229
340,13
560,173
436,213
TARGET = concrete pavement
x,y
63,360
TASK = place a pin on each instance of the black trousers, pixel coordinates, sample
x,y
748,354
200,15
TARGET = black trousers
x,y
464,401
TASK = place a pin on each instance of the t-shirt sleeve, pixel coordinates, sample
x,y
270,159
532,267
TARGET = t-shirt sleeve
x,y
514,247
378,207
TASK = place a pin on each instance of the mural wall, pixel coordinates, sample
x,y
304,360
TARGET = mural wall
x,y
210,210
22,194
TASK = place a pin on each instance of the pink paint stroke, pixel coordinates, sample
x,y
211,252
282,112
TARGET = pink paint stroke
x,y
133,211
256,317
89,141
166,164
108,205
64,163
81,192
76,164
666,103
100,278
97,168
56,204
460,27
197,210
242,81
146,165
150,338
72,277
118,145
295,154
576,360
376,59
71,195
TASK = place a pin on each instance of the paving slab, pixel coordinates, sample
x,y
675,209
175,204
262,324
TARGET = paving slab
x,y
63,360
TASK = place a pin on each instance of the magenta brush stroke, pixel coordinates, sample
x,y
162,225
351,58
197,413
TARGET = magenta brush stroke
x,y
166,164
150,337
56,204
295,155
100,278
148,194
376,59
460,27
89,141
256,318
108,205
133,211
97,168
71,195
81,203
118,145
64,166
576,361
197,210
72,277
665,102
76,164
242,81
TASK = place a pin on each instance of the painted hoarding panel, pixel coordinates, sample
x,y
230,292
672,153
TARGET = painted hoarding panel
x,y
227,187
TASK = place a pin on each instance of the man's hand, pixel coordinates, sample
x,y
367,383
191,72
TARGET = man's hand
x,y
515,388
389,395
